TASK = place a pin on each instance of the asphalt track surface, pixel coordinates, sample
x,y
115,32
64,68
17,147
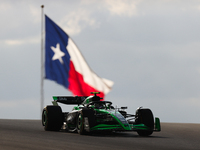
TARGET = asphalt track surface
x,y
30,135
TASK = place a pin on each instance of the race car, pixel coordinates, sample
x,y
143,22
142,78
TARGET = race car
x,y
94,114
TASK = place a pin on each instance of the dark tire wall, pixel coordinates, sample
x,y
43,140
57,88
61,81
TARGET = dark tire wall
x,y
52,118
86,112
145,116
80,124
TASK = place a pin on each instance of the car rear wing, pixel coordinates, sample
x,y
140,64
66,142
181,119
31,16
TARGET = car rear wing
x,y
69,100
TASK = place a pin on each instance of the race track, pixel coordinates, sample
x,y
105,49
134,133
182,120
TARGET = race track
x,y
29,134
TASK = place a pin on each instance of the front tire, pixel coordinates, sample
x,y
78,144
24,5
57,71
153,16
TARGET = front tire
x,y
52,118
145,116
80,124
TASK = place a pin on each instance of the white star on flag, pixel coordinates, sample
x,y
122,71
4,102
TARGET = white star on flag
x,y
58,54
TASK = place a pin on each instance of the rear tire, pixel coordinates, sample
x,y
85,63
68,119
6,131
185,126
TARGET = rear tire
x,y
145,116
52,118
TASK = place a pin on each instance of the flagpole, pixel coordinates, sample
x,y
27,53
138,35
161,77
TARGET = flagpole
x,y
42,64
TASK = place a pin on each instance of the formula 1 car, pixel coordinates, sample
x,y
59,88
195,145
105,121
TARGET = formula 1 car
x,y
92,114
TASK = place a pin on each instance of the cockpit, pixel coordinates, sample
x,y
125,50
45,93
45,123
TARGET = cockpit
x,y
101,105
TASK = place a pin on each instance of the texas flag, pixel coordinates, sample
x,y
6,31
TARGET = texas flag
x,y
65,64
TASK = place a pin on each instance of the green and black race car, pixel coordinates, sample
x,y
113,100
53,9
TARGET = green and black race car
x,y
91,114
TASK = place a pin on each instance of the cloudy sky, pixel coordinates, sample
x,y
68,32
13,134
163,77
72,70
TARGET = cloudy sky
x,y
149,48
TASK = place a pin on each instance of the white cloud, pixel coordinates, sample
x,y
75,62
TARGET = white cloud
x,y
76,21
122,7
5,6
31,40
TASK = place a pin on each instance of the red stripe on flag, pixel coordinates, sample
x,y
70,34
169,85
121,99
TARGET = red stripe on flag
x,y
77,85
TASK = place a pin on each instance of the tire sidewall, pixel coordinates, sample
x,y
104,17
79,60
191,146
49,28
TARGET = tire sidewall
x,y
52,118
145,116
80,123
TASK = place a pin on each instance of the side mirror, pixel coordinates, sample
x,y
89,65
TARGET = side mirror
x,y
124,107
